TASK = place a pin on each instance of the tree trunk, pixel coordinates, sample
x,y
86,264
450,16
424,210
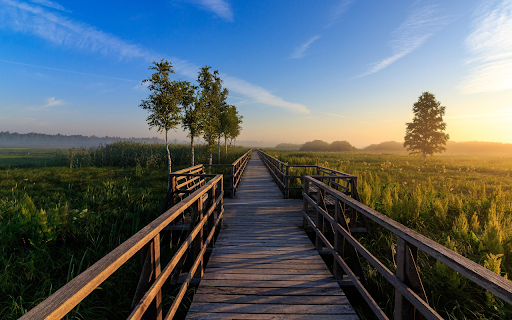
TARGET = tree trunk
x,y
424,157
218,149
191,151
168,161
210,161
226,145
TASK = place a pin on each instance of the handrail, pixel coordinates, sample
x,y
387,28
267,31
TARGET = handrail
x,y
280,171
409,292
66,298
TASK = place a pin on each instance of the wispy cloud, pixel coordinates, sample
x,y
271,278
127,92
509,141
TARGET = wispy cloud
x,y
54,27
419,25
490,46
332,114
50,102
67,71
219,7
299,51
33,19
261,95
338,11
50,4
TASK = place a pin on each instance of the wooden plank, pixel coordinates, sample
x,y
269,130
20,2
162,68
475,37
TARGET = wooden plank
x,y
272,291
263,308
273,316
274,299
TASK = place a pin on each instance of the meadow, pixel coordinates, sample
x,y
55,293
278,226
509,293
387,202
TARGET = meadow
x,y
62,210
463,202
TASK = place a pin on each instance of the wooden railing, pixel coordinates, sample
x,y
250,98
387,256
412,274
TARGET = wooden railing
x,y
186,181
207,204
333,232
280,171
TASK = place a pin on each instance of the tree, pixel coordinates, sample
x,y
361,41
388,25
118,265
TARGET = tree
x,y
192,112
425,134
230,123
212,98
341,146
315,145
163,103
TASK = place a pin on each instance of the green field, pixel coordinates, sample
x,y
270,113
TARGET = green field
x,y
462,202
57,220
28,157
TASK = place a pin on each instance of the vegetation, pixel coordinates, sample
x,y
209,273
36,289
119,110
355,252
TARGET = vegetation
x,y
57,220
319,145
38,140
464,203
425,134
288,146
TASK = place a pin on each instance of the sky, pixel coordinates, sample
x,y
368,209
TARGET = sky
x,y
297,70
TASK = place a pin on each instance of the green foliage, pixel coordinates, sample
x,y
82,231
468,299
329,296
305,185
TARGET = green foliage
x,y
425,134
464,203
55,222
319,145
131,154
315,145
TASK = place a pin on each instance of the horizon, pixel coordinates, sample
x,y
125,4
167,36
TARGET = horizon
x,y
336,70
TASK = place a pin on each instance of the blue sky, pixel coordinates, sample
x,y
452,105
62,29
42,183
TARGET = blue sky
x,y
296,70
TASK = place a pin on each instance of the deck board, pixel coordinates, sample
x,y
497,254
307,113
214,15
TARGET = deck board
x,y
263,265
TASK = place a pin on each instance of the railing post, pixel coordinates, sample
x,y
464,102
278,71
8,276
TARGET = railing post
x,y
339,241
220,206
320,220
407,271
155,309
172,190
198,241
232,181
211,218
287,183
305,204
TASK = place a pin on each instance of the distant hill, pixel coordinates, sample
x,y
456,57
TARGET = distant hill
x,y
288,146
17,140
319,145
388,146
471,147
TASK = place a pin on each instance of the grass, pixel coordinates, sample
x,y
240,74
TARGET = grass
x,y
28,157
462,202
56,221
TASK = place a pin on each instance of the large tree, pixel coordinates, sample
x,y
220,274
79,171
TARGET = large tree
x,y
192,112
425,134
163,103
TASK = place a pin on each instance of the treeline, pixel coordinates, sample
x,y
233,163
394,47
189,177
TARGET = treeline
x,y
15,140
452,147
319,145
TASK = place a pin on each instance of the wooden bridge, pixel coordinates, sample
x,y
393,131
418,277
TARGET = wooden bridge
x,y
263,265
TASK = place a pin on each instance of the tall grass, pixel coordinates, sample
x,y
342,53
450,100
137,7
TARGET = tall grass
x,y
130,154
464,203
55,222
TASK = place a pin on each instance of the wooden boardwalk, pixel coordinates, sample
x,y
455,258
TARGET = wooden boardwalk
x,y
263,265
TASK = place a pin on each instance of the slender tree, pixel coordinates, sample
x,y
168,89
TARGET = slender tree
x,y
425,134
232,126
212,97
191,121
163,103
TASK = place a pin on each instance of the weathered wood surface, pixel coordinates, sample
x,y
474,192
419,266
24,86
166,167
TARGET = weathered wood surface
x,y
263,265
